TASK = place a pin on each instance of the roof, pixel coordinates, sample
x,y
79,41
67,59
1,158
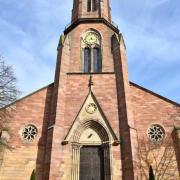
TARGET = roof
x,y
131,83
50,85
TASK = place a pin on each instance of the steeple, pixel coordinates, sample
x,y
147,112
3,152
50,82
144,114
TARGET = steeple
x,y
91,9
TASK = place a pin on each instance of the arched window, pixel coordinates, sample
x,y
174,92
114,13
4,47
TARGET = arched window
x,y
91,52
97,64
88,5
87,60
92,5
92,60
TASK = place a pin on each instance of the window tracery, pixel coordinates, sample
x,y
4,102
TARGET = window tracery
x,y
91,49
29,133
156,133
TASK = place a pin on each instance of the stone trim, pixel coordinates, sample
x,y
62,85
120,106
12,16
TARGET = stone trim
x,y
90,20
76,147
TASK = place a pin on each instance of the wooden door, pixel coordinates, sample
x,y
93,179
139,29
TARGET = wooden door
x,y
91,163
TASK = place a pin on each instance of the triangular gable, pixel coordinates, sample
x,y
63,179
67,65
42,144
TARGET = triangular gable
x,y
91,111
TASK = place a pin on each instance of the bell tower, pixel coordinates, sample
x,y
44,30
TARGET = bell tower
x,y
93,118
91,9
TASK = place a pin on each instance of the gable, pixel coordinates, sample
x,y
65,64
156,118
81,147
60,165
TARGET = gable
x,y
133,85
91,125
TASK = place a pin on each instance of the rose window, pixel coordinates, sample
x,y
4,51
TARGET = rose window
x,y
29,133
156,133
91,108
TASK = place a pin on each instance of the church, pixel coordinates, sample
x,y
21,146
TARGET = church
x,y
92,122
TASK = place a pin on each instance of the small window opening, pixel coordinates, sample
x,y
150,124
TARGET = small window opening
x,y
94,5
88,5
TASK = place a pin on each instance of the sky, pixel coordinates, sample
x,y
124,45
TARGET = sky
x,y
30,30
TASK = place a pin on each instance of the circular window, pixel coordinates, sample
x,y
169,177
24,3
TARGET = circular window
x,y
29,133
91,108
156,133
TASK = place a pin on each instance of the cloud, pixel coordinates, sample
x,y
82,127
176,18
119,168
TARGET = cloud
x,y
151,33
30,30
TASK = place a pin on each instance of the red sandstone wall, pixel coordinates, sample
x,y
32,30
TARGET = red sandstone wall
x,y
151,109
19,162
76,51
104,90
72,94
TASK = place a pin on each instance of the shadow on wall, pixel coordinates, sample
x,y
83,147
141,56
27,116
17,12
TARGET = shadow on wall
x,y
44,144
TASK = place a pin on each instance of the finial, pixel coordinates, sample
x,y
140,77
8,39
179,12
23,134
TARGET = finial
x,y
90,83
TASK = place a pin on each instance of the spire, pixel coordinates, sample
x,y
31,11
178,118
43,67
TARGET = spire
x,y
91,9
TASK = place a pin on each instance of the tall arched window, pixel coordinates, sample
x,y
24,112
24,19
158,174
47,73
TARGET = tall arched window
x,y
92,5
97,64
87,60
92,60
91,52
88,5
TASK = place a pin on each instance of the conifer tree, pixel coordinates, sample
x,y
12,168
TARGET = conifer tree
x,y
33,175
151,174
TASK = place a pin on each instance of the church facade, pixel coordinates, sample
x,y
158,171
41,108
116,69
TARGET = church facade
x,y
92,123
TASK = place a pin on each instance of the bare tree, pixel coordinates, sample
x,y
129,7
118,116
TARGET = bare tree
x,y
161,157
8,94
8,90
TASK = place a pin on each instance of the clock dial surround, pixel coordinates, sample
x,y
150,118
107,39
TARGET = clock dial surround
x,y
91,38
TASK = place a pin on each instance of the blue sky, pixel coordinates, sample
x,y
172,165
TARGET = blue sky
x,y
30,30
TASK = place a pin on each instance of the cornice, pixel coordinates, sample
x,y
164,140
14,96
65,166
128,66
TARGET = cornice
x,y
71,26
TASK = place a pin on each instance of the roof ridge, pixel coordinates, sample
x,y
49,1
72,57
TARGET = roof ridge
x,y
155,94
30,94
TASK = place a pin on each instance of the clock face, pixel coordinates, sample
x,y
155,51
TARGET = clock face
x,y
91,38
91,108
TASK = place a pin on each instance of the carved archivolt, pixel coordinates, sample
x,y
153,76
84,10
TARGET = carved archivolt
x,y
90,133
91,124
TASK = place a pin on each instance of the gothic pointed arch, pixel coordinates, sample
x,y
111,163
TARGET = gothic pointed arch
x,y
91,131
95,120
95,126
91,47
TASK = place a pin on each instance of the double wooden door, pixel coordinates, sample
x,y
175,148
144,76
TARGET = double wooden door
x,y
91,163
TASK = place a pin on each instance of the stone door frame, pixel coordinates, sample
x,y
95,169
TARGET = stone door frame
x,y
76,148
105,143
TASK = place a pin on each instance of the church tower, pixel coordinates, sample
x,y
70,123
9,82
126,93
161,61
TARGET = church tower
x,y
91,9
91,133
91,123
